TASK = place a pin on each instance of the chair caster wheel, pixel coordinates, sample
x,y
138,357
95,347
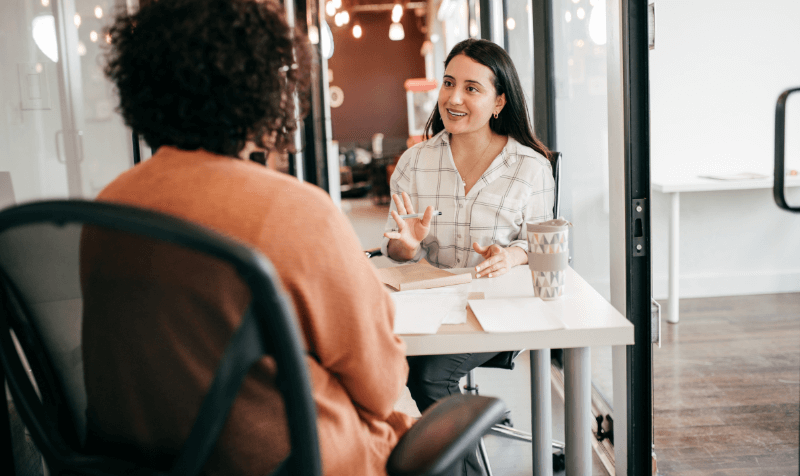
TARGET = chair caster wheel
x,y
559,462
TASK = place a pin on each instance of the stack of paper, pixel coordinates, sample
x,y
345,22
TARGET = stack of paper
x,y
458,313
423,313
517,314
420,276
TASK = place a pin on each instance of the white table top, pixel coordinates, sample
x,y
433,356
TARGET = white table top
x,y
697,184
589,321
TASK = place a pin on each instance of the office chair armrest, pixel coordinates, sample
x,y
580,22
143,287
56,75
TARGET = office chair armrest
x,y
445,433
373,253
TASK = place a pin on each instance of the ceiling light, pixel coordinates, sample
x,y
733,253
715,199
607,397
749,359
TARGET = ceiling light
x,y
357,31
337,3
397,13
330,9
581,13
313,34
345,17
98,12
396,31
511,24
568,17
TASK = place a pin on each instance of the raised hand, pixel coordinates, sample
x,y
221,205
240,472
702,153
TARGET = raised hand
x,y
411,231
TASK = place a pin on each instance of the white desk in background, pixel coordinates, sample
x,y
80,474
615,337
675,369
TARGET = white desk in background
x,y
674,187
589,320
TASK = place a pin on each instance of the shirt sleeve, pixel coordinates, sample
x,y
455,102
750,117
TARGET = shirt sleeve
x,y
539,206
345,312
402,181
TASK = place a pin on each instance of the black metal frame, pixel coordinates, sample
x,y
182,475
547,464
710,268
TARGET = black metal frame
x,y
256,331
544,91
486,19
780,150
636,95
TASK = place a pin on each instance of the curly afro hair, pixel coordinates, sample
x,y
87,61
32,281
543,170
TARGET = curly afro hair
x,y
208,74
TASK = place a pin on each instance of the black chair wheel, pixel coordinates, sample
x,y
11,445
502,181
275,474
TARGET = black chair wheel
x,y
559,462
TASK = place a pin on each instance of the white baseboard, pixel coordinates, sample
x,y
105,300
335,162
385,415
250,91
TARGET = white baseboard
x,y
730,284
721,284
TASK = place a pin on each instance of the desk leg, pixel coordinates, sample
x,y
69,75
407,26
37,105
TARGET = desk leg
x,y
674,244
578,410
541,413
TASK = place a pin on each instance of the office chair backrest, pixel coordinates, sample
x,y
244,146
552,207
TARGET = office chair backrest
x,y
41,312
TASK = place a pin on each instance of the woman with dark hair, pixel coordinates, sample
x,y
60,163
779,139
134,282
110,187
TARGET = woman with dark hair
x,y
205,81
484,169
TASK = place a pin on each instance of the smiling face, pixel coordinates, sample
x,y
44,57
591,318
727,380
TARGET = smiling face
x,y
467,99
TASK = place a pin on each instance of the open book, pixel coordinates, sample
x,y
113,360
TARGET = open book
x,y
420,276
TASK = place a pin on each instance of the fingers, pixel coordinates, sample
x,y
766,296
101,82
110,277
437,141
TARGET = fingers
x,y
392,235
407,202
426,219
400,222
496,264
401,209
481,250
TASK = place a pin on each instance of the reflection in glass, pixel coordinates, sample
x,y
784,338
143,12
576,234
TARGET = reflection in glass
x,y
43,29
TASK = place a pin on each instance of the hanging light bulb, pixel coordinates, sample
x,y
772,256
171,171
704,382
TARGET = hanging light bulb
x,y
396,32
313,34
345,18
511,24
337,4
93,36
337,19
77,20
98,12
397,13
581,13
330,9
357,31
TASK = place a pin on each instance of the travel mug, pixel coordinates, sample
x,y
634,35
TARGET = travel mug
x,y
548,257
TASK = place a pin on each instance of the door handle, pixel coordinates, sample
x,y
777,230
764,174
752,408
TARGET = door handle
x,y
79,136
780,150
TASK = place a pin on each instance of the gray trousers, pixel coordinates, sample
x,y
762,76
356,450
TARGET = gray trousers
x,y
432,377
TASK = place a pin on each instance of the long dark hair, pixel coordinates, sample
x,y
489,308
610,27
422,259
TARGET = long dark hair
x,y
513,120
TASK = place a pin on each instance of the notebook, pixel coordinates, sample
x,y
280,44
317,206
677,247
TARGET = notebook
x,y
420,276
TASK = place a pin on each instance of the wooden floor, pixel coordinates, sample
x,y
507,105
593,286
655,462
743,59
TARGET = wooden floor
x,y
727,387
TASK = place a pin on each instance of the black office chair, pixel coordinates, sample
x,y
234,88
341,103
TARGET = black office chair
x,y
41,311
505,360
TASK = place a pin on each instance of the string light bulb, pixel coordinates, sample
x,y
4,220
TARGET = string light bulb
x,y
397,13
357,31
396,32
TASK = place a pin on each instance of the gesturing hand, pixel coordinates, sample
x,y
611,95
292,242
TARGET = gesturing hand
x,y
411,231
497,260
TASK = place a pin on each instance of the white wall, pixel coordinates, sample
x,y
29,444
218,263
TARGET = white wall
x,y
715,74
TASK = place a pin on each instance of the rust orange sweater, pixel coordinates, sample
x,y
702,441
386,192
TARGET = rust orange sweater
x,y
146,372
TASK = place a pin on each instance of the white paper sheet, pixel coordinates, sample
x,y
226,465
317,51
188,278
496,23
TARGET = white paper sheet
x,y
458,313
422,313
517,314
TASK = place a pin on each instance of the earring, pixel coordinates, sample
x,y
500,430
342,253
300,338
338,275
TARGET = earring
x,y
495,115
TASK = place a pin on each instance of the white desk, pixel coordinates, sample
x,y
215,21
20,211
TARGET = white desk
x,y
589,321
674,187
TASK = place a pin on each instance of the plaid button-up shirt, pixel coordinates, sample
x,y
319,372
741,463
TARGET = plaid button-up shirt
x,y
516,189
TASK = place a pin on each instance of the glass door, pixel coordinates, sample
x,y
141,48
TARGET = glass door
x,y
59,135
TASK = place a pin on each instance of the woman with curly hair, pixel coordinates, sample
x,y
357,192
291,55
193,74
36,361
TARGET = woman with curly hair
x,y
205,81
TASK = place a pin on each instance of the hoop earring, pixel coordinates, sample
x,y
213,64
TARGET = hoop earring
x,y
495,115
